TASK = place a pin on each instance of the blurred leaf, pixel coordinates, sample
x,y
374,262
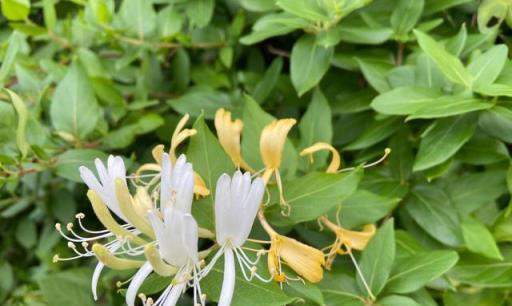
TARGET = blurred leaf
x,y
15,10
479,239
69,162
21,111
406,14
70,288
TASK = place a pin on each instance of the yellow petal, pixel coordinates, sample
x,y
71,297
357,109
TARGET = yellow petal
x,y
179,135
357,240
142,201
335,161
303,259
272,141
127,208
157,153
200,188
153,256
103,214
113,262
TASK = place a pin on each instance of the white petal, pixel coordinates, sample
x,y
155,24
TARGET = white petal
x,y
165,181
222,201
190,237
136,282
95,278
250,209
228,284
89,179
175,294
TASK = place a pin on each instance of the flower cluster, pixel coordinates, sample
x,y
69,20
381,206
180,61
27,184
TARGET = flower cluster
x,y
150,227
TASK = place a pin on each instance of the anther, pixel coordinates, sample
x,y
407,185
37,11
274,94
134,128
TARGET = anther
x,y
71,245
69,226
58,227
85,244
80,216
56,258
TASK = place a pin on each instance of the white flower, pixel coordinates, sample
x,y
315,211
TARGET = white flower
x,y
105,187
177,184
176,238
237,202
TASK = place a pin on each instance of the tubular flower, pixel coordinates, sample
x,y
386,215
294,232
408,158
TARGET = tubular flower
x,y
176,238
103,195
303,259
272,141
348,239
237,201
176,184
335,161
228,132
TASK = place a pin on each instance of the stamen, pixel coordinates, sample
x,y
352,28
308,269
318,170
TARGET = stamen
x,y
387,151
285,206
361,275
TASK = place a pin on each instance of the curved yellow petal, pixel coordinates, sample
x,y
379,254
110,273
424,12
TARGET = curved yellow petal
x,y
200,188
127,208
355,239
228,133
335,161
103,214
272,141
179,135
159,266
113,262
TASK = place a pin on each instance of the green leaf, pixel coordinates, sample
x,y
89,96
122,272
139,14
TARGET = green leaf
x,y
443,140
406,14
200,100
273,25
307,9
482,272
326,190
308,64
482,150
486,67
479,239
365,207
397,300
26,233
315,126
21,111
375,72
377,131
15,10
450,65
404,100
68,163
340,290
138,17
70,288
413,272
431,208
14,45
74,109
170,22
497,122
353,34
377,259
450,106
491,14
264,87
200,12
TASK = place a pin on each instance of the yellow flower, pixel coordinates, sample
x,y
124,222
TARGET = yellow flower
x,y
272,140
303,259
229,132
335,161
346,240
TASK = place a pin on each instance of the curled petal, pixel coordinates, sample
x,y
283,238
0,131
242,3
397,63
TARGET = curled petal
x,y
272,141
179,135
113,262
127,208
138,279
335,161
228,284
159,266
357,240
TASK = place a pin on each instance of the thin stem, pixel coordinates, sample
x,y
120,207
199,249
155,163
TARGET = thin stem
x,y
349,251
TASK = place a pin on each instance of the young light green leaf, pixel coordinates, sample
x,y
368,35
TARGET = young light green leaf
x,y
405,15
14,45
308,64
486,68
200,12
273,25
397,300
479,239
139,17
377,260
450,65
74,109
15,10
22,112
404,100
449,106
413,272
307,9
443,140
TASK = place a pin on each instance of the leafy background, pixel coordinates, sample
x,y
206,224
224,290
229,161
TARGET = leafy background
x,y
430,79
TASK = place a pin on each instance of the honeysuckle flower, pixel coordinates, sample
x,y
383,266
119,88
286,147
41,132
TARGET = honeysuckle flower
x,y
228,132
176,184
305,260
176,238
346,240
272,141
319,146
237,201
104,197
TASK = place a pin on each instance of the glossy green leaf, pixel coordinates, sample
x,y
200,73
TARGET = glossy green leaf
x,y
479,239
443,140
405,100
406,14
497,122
22,112
308,64
449,106
397,300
